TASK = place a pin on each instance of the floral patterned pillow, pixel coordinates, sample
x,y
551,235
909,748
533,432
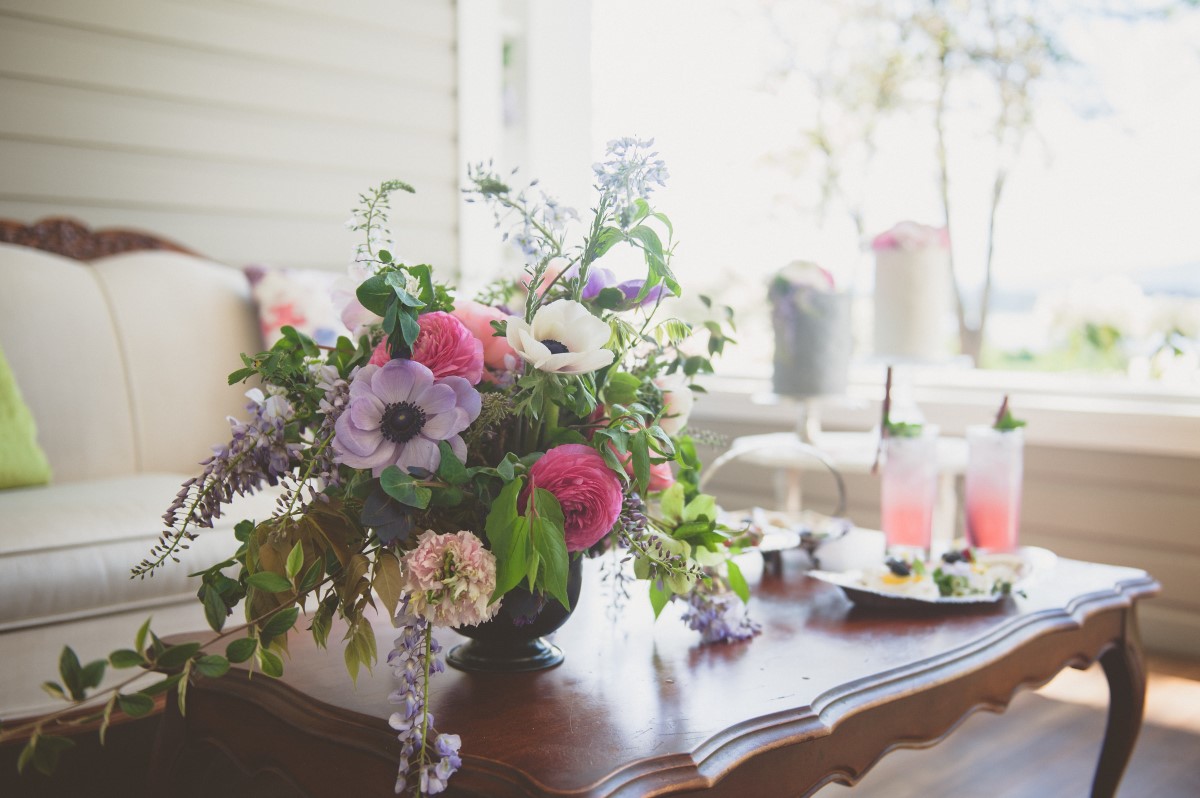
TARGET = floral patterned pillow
x,y
300,298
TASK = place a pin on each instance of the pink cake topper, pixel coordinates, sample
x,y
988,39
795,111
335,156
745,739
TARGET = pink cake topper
x,y
912,236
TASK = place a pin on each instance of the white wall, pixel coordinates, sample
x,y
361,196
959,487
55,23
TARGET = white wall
x,y
244,130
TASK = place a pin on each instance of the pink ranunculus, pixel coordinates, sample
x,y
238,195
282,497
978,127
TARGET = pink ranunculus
x,y
478,318
588,490
444,346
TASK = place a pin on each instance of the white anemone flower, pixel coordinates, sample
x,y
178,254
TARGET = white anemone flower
x,y
564,338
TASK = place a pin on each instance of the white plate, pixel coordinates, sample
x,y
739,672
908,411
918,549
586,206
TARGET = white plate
x,y
1030,563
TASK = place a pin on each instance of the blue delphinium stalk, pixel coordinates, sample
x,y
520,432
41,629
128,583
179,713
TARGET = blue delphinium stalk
x,y
433,758
719,617
629,174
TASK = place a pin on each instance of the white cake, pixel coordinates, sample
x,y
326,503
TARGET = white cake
x,y
912,292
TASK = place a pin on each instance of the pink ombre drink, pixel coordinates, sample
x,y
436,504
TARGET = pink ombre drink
x,y
909,489
995,466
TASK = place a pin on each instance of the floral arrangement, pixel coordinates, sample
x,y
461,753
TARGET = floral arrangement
x,y
460,451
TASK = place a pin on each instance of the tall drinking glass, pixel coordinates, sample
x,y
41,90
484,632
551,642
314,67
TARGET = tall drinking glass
x,y
909,490
995,466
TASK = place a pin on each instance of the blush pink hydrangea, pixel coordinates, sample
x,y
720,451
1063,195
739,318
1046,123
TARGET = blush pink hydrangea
x,y
588,490
449,579
445,346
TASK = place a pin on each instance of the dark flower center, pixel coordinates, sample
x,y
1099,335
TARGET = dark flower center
x,y
555,347
402,421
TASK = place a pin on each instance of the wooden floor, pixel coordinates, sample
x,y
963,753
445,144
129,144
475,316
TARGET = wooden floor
x,y
1044,746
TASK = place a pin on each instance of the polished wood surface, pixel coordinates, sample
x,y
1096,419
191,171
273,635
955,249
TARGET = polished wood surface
x,y
73,239
642,709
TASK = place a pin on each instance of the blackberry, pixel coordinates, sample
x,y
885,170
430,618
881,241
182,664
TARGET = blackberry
x,y
899,567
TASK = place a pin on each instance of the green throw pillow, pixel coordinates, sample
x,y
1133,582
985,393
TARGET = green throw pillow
x,y
22,461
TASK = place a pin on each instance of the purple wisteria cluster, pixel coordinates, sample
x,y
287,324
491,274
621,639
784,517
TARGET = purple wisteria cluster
x,y
719,617
257,454
433,758
332,405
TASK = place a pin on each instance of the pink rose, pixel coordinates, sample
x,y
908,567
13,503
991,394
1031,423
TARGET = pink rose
x,y
661,475
478,318
444,346
589,492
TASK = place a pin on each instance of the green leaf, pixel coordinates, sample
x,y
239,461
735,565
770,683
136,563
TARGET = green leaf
x,y
175,656
241,375
71,672
409,328
451,468
163,686
508,534
400,486
279,624
212,666
93,673
384,256
27,754
609,299
242,649
737,581
269,582
135,704
375,294
388,582
139,642
54,690
549,542
622,388
215,611
659,596
242,531
270,662
47,752
311,577
125,658
295,561
505,469
639,446
671,504
703,506
360,647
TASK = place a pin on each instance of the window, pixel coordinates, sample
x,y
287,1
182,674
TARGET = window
x,y
1096,250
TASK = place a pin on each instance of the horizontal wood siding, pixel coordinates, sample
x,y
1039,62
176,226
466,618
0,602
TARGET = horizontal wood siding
x,y
244,130
1137,510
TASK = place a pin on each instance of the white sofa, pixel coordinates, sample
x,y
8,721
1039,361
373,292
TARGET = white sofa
x,y
123,363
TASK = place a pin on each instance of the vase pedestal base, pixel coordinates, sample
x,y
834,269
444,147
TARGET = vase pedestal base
x,y
490,656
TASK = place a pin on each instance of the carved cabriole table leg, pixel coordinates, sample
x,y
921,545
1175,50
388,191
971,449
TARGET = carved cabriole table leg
x,y
1126,671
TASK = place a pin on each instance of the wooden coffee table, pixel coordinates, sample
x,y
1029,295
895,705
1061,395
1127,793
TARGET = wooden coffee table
x,y
640,709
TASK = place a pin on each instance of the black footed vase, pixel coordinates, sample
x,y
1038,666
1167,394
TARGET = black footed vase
x,y
513,640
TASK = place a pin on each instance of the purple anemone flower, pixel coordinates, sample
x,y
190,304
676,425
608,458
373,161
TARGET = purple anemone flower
x,y
600,278
397,414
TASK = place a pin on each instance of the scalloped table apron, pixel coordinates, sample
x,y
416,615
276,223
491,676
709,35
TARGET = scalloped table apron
x,y
640,708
